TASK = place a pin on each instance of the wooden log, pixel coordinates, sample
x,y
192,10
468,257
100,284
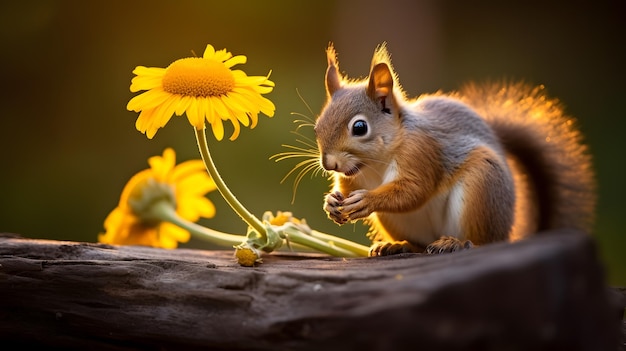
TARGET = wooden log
x,y
543,293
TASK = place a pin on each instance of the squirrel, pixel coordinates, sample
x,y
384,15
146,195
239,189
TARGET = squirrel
x,y
446,172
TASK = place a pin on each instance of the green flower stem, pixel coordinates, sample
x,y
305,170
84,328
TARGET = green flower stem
x,y
247,217
294,235
164,211
315,240
298,240
357,249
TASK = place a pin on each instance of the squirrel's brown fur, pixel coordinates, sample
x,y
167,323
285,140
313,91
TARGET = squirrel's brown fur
x,y
445,171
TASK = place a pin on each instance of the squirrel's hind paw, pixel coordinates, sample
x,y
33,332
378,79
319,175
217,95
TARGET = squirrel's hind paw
x,y
447,244
386,248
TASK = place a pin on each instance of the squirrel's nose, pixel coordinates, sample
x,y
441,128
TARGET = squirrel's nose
x,y
329,163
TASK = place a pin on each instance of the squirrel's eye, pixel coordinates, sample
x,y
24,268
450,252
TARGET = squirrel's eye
x,y
359,128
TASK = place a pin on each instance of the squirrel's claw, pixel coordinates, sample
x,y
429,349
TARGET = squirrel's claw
x,y
386,248
448,244
333,207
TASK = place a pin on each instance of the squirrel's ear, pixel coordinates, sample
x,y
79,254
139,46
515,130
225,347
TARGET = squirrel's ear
x,y
333,78
380,86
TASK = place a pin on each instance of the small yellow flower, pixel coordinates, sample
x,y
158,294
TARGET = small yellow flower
x,y
135,221
247,255
281,218
203,88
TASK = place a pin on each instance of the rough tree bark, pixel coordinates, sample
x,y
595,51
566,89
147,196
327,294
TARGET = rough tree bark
x,y
546,293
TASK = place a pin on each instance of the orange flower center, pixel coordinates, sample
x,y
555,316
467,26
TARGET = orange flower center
x,y
198,77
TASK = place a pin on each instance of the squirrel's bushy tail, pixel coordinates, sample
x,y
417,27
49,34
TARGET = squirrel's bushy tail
x,y
535,131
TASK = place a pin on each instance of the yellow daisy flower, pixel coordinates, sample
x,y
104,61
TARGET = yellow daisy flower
x,y
136,220
205,88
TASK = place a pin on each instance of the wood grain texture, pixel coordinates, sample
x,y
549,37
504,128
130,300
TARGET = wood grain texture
x,y
547,292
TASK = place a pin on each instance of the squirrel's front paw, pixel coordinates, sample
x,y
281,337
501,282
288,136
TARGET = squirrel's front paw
x,y
333,206
355,206
448,244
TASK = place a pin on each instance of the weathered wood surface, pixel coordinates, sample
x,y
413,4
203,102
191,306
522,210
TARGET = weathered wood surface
x,y
546,293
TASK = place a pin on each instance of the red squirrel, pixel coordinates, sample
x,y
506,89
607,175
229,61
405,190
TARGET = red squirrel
x,y
444,172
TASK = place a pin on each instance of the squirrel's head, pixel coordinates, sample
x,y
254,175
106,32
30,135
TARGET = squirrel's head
x,y
361,118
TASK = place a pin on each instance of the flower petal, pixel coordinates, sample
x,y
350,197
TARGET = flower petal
x,y
218,129
183,105
267,107
207,109
114,225
148,71
147,78
220,108
186,169
162,165
243,99
169,235
236,60
197,185
241,117
254,119
209,51
195,207
149,99
192,114
144,123
221,55
236,130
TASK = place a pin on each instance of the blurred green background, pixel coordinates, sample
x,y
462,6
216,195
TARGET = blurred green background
x,y
69,145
